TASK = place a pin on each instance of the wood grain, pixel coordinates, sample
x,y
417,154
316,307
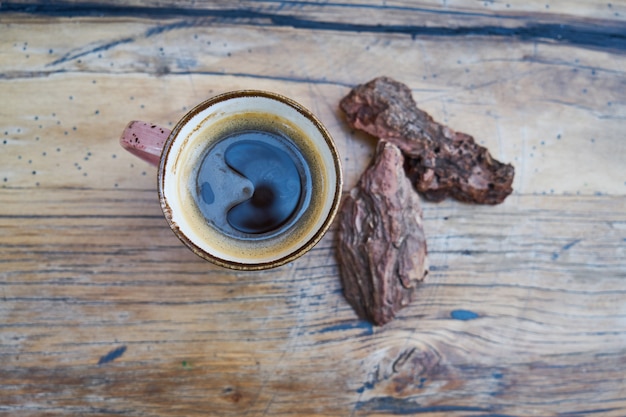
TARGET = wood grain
x,y
103,311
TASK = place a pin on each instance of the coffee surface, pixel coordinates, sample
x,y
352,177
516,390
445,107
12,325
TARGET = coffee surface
x,y
252,182
276,181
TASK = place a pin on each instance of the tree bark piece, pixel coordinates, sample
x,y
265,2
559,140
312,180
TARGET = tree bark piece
x,y
382,247
440,161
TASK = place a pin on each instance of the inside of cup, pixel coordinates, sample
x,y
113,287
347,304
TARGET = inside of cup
x,y
203,128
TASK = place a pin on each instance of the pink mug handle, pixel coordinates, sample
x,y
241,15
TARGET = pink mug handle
x,y
145,140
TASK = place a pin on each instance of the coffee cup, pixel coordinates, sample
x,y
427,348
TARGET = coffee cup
x,y
248,180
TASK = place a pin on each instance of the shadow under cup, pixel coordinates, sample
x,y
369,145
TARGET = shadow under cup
x,y
202,184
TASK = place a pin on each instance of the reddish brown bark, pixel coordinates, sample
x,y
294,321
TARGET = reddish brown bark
x,y
382,247
439,161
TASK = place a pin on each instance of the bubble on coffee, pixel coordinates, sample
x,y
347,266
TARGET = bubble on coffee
x,y
252,183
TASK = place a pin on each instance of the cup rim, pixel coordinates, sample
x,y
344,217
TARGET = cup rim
x,y
231,264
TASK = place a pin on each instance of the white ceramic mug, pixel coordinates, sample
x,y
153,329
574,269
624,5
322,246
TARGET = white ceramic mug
x,y
233,159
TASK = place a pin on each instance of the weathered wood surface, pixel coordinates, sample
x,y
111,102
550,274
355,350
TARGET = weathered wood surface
x,y
103,311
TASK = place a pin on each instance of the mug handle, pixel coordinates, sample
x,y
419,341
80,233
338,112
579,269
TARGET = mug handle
x,y
145,140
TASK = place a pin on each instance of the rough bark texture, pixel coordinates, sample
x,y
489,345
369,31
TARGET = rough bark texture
x,y
382,247
440,161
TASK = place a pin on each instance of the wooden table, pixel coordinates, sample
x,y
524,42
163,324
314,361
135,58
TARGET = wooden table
x,y
104,312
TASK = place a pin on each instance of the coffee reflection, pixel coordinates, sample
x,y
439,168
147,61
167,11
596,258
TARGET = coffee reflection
x,y
252,182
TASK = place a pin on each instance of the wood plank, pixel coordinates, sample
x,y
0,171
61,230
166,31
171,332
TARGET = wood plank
x,y
450,13
477,335
570,99
103,310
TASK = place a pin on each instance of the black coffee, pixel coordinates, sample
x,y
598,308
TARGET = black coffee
x,y
252,182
